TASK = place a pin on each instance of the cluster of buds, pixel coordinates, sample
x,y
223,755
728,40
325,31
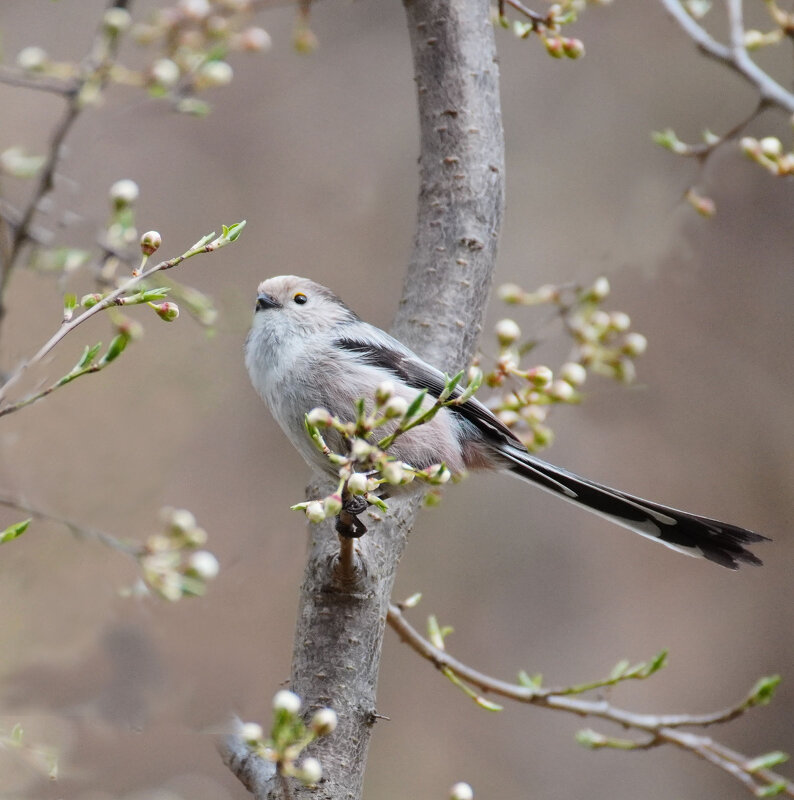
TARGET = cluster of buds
x,y
769,153
365,464
289,737
172,562
548,28
603,343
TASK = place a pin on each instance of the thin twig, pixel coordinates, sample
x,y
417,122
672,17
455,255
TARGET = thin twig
x,y
19,79
75,528
661,728
736,56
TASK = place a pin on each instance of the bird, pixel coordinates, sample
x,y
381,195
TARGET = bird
x,y
307,349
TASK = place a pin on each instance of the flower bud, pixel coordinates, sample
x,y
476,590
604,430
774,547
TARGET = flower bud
x,y
324,721
310,771
600,289
750,146
116,20
304,40
89,300
360,449
573,373
600,319
288,701
753,39
319,417
510,293
461,791
507,332
573,48
540,376
251,732
554,46
165,73
254,40
508,417
32,59
178,520
315,511
332,505
195,9
357,483
124,193
635,344
562,391
771,146
395,407
619,321
384,391
393,472
215,73
150,242
203,564
167,311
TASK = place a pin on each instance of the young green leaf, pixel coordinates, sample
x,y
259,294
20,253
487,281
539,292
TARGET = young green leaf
x,y
764,690
115,350
766,761
89,354
14,531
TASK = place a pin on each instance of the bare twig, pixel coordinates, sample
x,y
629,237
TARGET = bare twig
x,y
734,56
657,728
22,80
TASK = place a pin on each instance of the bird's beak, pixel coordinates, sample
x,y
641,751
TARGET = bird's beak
x,y
265,301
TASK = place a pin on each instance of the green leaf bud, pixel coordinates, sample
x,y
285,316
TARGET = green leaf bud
x,y
14,531
324,721
315,511
150,242
357,483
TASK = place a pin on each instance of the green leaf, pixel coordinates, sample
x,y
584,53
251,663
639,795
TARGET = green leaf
x,y
89,354
533,682
655,664
773,790
413,600
17,733
415,405
14,531
69,302
115,349
232,233
764,690
148,295
450,384
766,761
619,670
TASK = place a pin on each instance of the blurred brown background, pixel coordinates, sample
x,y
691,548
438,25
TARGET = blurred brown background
x,y
318,153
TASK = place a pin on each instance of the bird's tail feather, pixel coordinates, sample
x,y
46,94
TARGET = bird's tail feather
x,y
687,533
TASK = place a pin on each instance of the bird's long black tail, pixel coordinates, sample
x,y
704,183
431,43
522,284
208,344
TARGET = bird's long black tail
x,y
688,533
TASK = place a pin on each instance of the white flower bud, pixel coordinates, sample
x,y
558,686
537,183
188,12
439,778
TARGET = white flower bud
x,y
215,73
384,391
288,701
749,145
310,771
255,40
540,376
393,472
508,417
573,373
116,20
600,319
357,483
461,791
600,289
251,732
150,242
124,193
561,390
319,417
395,407
507,332
165,73
771,146
195,9
180,520
324,721
510,293
360,449
204,565
332,505
619,321
32,59
635,344
315,511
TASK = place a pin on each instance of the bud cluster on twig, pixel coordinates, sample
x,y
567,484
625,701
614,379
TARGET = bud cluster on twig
x,y
602,343
289,737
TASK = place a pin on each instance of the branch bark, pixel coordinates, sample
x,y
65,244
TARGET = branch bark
x,y
341,619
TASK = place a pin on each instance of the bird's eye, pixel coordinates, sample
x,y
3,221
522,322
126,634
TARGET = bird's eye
x,y
300,298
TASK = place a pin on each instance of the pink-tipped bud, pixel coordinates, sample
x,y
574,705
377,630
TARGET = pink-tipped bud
x,y
554,46
332,505
573,48
166,311
89,300
150,242
540,376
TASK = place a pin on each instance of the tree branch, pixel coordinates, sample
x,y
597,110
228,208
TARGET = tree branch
x,y
340,627
734,56
658,728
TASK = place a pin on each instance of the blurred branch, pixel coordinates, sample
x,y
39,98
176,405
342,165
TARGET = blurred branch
x,y
20,79
734,55
339,635
658,729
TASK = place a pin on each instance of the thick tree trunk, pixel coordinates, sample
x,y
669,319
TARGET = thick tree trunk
x,y
340,626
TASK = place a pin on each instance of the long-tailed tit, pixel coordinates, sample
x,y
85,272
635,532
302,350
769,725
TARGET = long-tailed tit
x,y
307,349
